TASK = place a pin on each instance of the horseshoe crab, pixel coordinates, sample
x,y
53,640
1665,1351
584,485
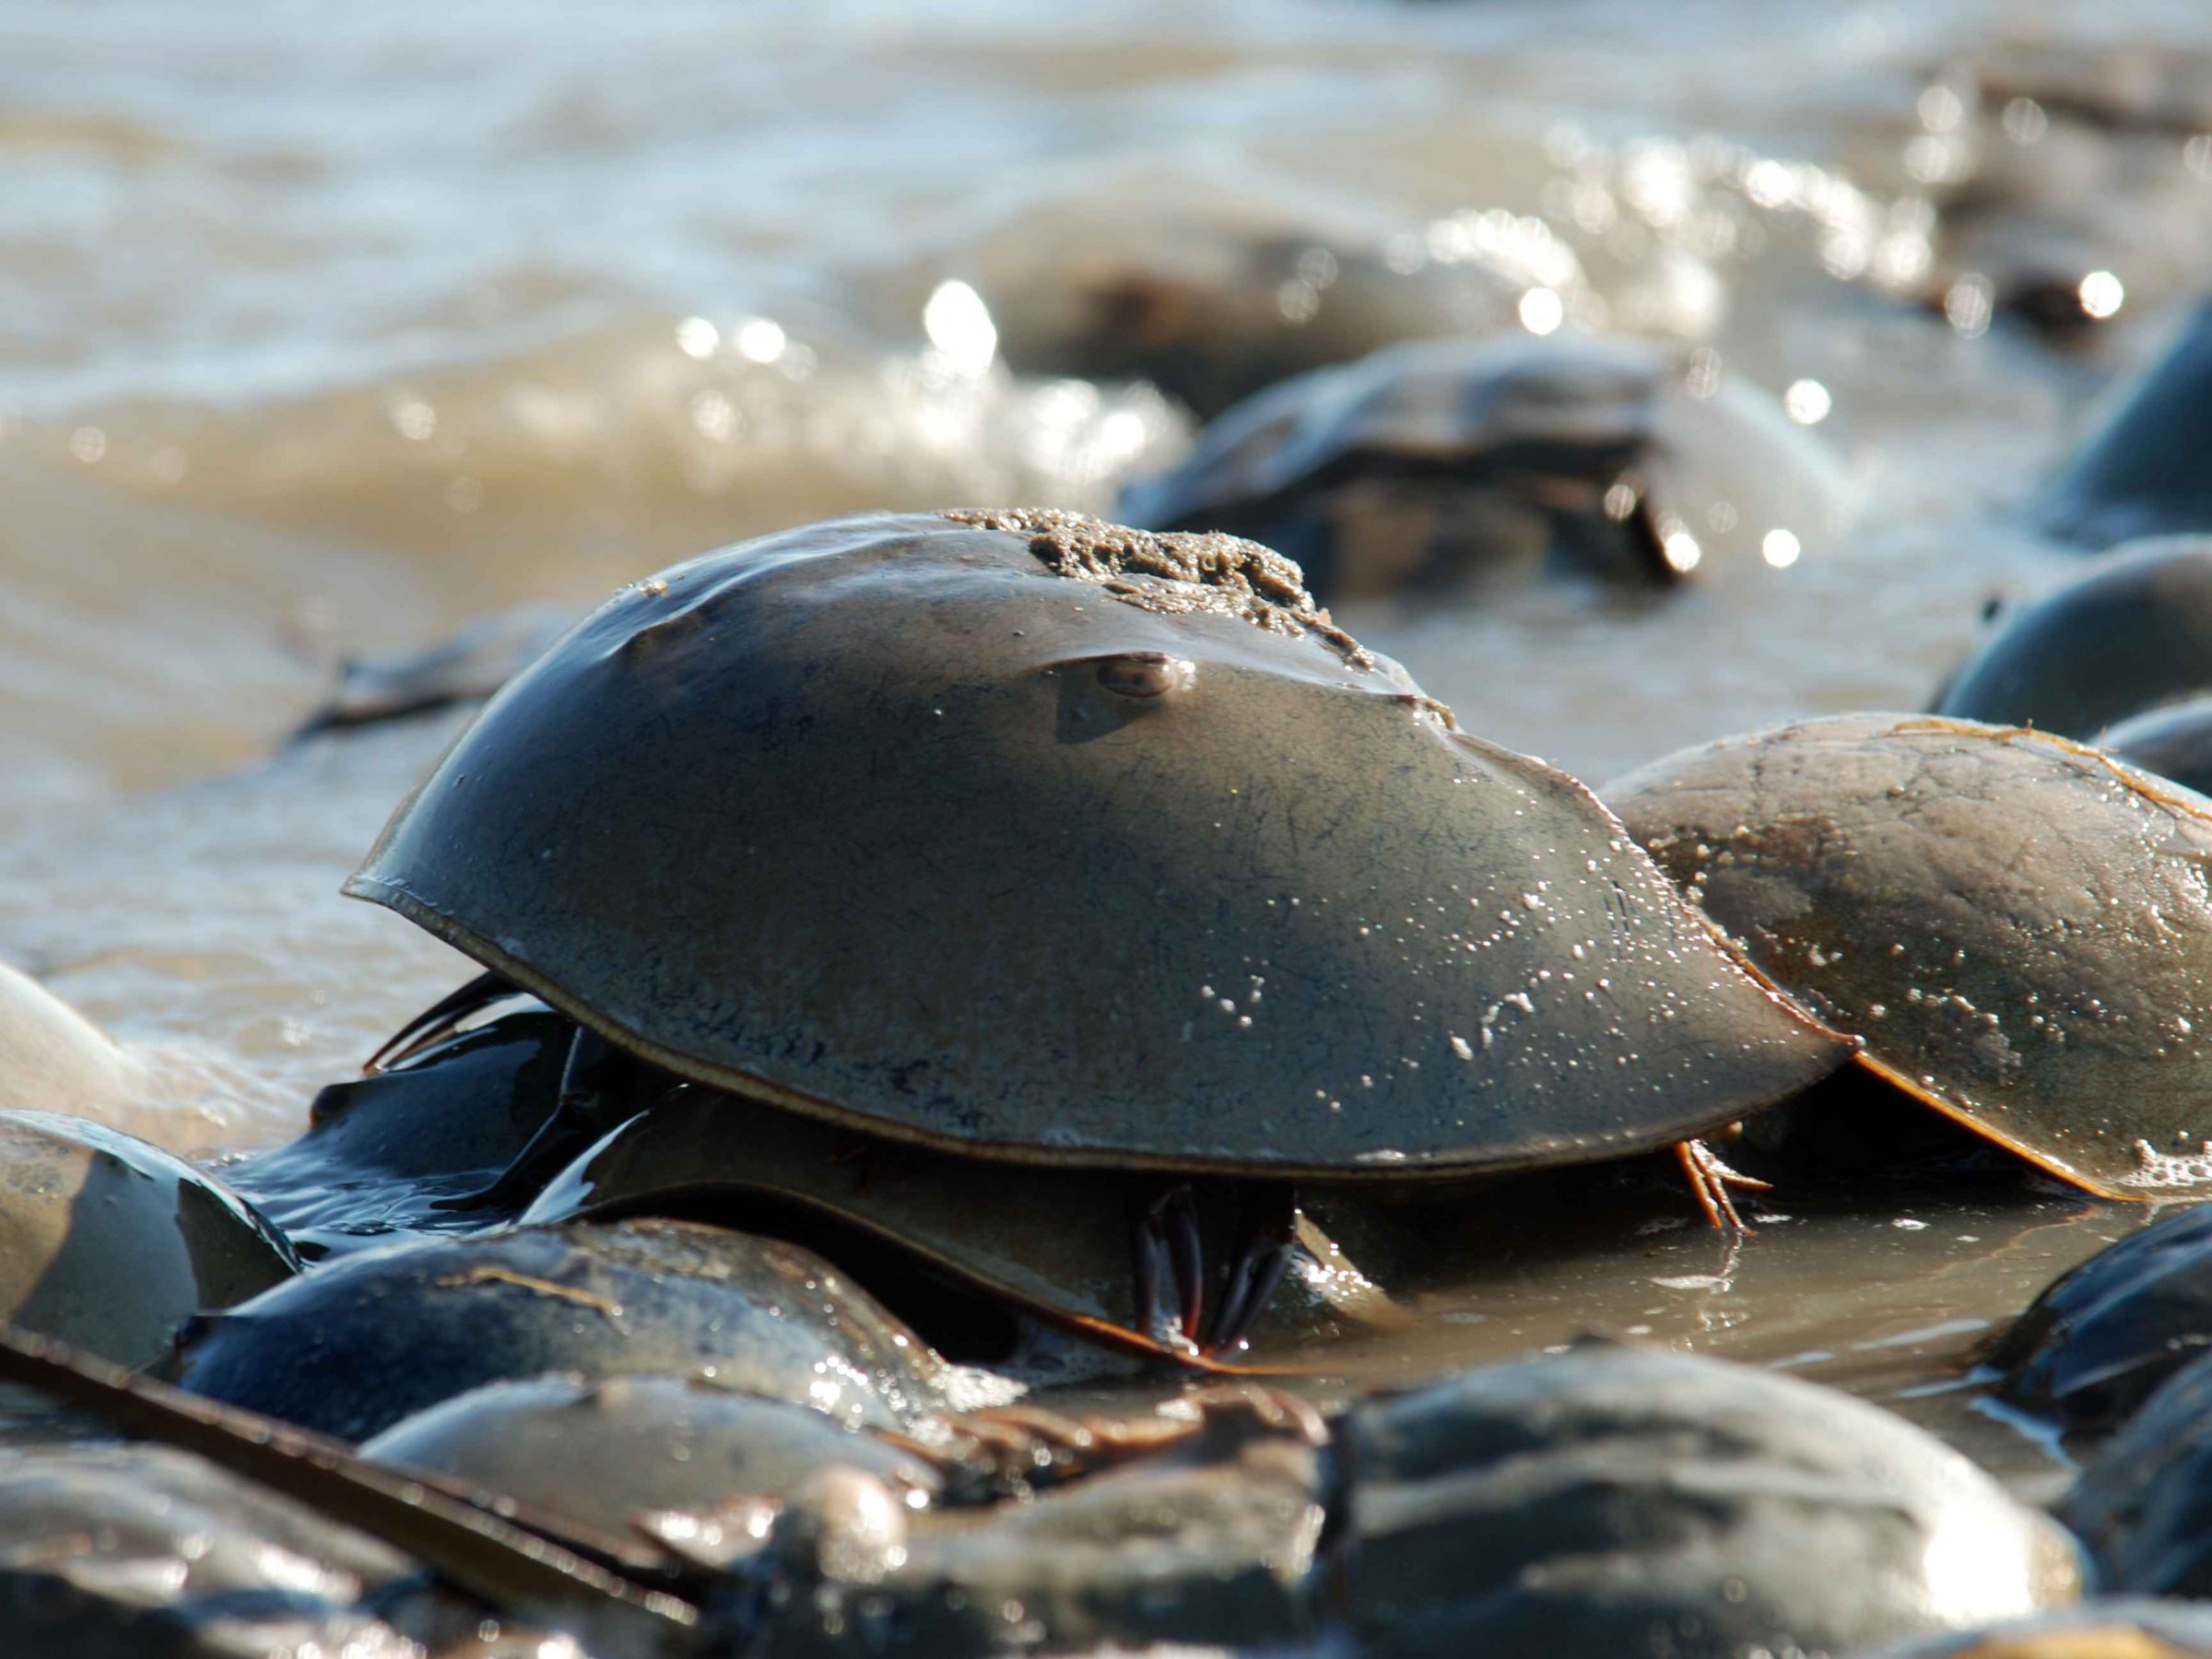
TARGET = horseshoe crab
x,y
111,1245
2017,926
2102,1335
1438,462
2143,1503
466,666
54,1059
603,1452
1211,313
2142,474
146,1552
2135,632
1611,1500
357,1346
722,1157
382,1152
1031,839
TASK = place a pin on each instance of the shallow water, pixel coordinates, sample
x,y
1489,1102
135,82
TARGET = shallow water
x,y
326,333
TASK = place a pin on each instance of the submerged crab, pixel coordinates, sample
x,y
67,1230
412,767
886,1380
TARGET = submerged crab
x,y
1046,842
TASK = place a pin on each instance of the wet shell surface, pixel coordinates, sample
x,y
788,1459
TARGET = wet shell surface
x,y
1621,1501
1438,462
1607,1502
382,1152
2142,471
2100,1338
2020,928
2133,633
354,1347
110,1244
144,1552
601,1453
2174,742
1022,835
2144,1505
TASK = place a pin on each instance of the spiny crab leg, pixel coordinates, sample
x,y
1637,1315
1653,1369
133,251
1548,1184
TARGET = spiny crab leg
x,y
1267,1242
1167,1246
440,1018
1710,1181
509,1563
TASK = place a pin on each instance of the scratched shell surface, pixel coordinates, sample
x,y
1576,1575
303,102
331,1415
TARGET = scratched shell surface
x,y
853,820
2020,928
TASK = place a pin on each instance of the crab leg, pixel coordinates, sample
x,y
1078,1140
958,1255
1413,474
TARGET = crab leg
x,y
1168,1248
1709,1179
440,1018
1266,1243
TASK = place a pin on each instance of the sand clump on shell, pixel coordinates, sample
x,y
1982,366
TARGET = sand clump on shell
x,y
1210,572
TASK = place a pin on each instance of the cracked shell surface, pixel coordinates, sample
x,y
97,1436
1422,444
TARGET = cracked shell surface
x,y
891,820
355,1346
2018,927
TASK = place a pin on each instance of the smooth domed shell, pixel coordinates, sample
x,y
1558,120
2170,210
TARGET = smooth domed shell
x,y
2018,927
1617,1501
54,1059
1055,1242
151,1553
355,1346
2102,1335
2144,1505
601,1453
2135,632
1021,835
2142,471
2174,742
110,1244
1436,461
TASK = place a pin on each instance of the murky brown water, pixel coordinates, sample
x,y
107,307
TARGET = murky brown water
x,y
323,336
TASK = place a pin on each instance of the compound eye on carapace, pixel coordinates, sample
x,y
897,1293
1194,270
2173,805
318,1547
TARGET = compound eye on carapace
x,y
1143,674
